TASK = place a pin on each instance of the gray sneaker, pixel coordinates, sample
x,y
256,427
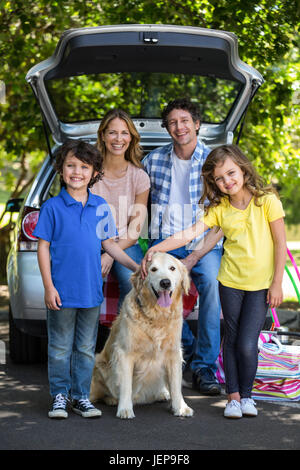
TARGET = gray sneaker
x,y
59,407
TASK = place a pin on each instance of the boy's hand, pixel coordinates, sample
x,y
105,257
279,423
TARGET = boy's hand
x,y
52,299
275,295
147,257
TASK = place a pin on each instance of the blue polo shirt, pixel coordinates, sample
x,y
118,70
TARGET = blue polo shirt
x,y
75,234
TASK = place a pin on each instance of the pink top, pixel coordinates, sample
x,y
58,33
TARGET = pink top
x,y
120,194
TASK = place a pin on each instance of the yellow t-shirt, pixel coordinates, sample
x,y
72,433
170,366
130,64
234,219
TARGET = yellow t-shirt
x,y
248,260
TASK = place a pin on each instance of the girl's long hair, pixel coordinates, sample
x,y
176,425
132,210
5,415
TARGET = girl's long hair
x,y
252,181
134,152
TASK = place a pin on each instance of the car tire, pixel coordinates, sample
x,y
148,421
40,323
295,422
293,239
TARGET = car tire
x,y
24,348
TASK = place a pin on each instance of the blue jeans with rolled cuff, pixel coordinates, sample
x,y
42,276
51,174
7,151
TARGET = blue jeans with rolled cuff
x,y
203,350
72,335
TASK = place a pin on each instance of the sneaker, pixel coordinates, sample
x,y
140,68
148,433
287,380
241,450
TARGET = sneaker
x,y
84,408
248,407
59,407
233,410
205,382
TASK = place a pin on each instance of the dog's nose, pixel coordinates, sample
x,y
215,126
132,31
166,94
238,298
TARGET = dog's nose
x,y
165,283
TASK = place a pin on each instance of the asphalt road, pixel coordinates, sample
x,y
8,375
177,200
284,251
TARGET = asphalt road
x,y
24,425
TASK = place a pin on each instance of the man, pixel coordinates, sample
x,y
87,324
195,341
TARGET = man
x,y
176,188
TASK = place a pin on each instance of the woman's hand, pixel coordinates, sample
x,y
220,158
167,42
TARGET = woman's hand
x,y
106,264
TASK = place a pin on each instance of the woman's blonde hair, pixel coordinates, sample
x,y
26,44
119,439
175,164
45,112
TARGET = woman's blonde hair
x,y
134,152
252,180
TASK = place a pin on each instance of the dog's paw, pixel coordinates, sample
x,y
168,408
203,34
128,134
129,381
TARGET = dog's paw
x,y
125,413
184,410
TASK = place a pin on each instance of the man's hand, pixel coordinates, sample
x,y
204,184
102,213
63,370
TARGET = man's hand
x,y
190,261
207,244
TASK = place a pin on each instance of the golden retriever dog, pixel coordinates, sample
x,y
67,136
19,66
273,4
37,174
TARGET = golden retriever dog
x,y
142,359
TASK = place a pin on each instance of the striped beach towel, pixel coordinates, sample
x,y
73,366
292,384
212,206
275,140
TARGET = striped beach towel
x,y
276,389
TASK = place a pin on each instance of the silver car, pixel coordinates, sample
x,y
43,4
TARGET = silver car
x,y
136,67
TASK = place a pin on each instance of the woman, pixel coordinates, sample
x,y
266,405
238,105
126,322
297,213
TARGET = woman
x,y
125,186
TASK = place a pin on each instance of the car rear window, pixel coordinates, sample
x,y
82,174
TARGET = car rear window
x,y
141,94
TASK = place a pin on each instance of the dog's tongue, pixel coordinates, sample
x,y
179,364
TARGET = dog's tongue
x,y
164,299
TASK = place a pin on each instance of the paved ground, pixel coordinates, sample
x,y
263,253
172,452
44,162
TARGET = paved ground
x,y
24,425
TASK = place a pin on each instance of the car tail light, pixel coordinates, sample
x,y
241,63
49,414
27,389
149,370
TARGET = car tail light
x,y
27,241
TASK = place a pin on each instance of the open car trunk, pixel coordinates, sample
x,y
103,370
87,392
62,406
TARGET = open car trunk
x,y
140,68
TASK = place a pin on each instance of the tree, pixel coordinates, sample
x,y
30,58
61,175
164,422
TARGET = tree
x,y
267,32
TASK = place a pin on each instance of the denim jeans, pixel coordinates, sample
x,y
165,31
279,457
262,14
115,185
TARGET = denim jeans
x,y
203,350
72,335
244,315
123,274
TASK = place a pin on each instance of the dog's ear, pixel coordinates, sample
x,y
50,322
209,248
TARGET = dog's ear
x,y
185,281
136,280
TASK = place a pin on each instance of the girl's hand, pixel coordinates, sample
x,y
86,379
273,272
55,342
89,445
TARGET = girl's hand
x,y
275,295
52,299
147,257
106,264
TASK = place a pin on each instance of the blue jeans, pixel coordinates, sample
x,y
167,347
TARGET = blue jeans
x,y
72,335
203,350
123,274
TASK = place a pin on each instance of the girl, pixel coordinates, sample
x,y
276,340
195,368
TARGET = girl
x,y
125,186
252,266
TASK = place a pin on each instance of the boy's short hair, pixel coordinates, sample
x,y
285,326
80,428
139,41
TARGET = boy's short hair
x,y
83,151
181,103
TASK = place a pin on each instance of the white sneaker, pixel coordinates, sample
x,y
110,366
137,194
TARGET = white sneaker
x,y
233,410
248,407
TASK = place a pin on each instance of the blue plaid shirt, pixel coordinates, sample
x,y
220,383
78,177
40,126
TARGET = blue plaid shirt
x,y
158,165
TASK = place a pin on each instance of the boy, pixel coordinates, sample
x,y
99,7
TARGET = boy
x,y
72,228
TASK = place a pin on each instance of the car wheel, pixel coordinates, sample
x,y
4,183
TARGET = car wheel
x,y
24,348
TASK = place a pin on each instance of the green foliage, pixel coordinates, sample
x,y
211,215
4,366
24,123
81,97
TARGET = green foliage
x,y
268,39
